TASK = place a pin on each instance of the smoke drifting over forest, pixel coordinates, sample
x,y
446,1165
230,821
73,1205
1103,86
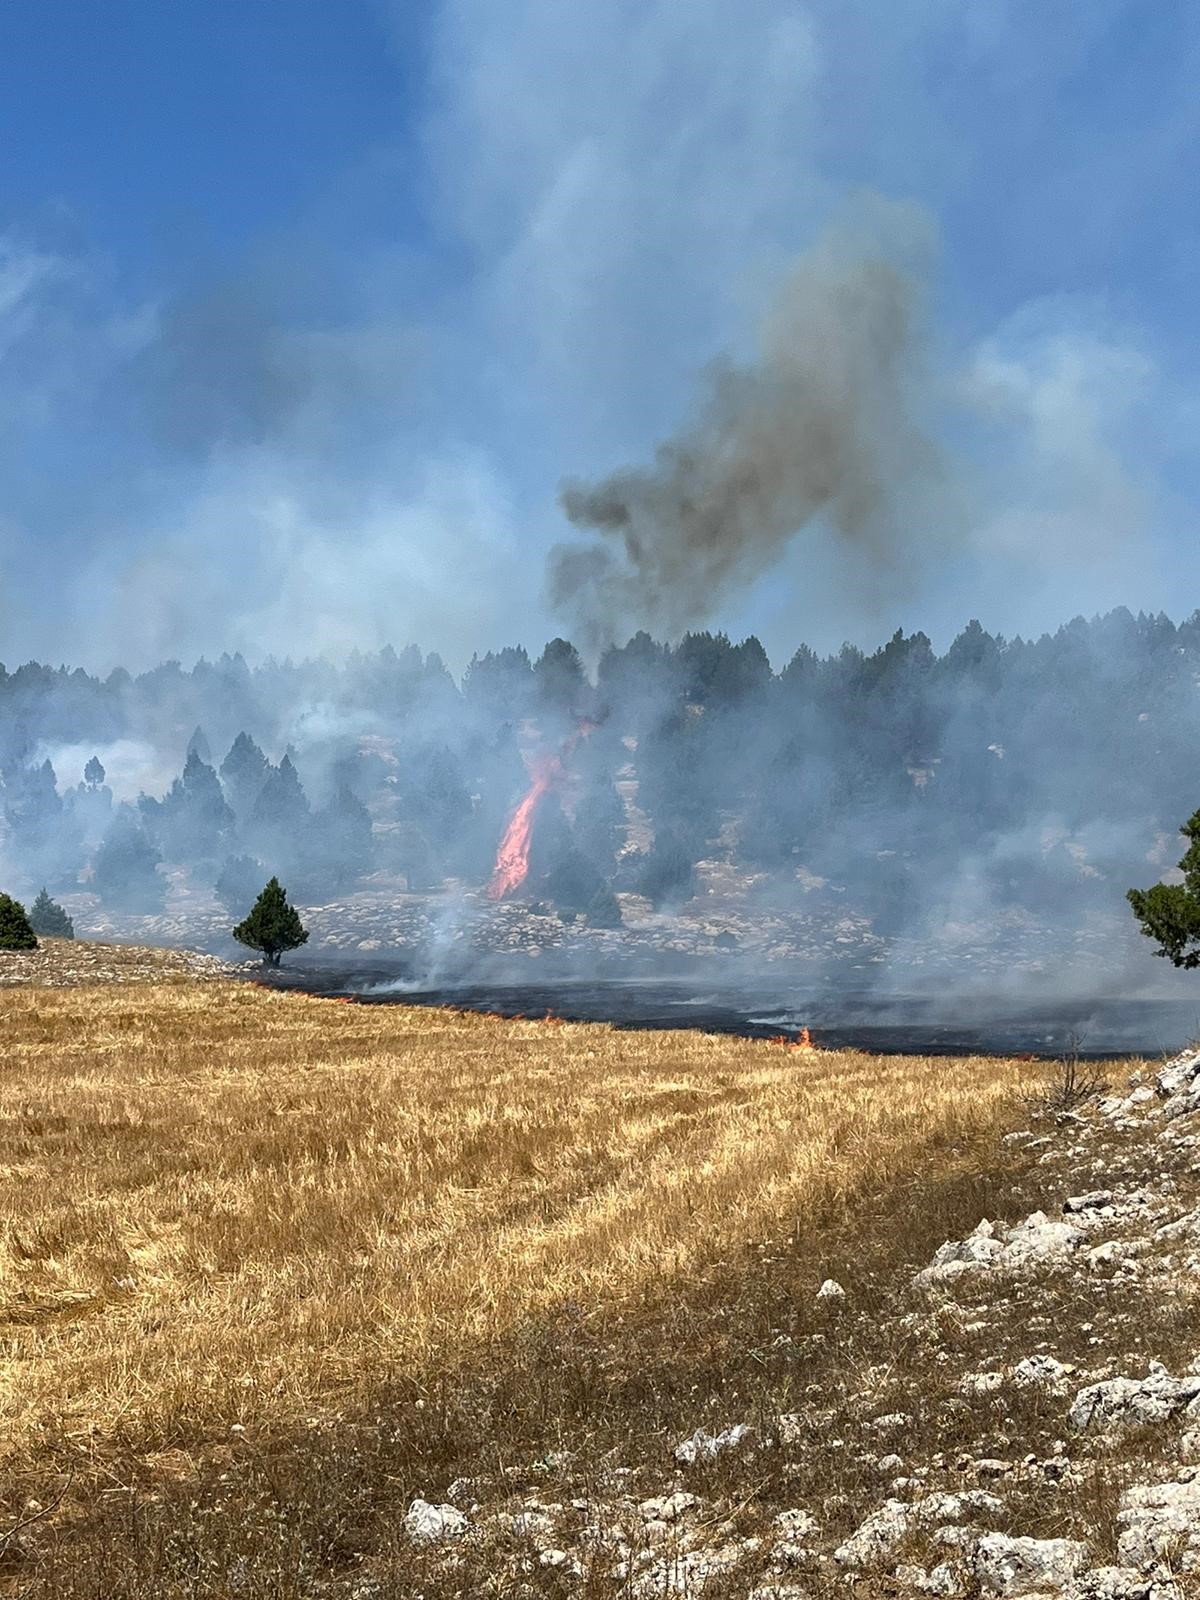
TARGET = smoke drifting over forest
x,y
830,421
1015,787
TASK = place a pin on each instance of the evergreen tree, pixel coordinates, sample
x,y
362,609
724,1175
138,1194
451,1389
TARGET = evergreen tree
x,y
279,830
572,882
193,822
343,844
15,932
600,824
1170,912
560,679
678,778
90,805
272,926
499,777
124,871
668,873
499,686
602,910
244,771
49,919
439,799
47,838
198,746
281,805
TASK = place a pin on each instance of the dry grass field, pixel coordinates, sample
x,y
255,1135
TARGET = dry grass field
x,y
271,1265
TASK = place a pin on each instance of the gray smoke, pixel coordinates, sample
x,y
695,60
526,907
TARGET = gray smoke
x,y
829,422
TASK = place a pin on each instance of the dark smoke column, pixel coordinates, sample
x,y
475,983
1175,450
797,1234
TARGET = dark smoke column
x,y
829,421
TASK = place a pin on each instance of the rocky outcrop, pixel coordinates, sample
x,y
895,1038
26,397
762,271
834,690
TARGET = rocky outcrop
x,y
1135,1402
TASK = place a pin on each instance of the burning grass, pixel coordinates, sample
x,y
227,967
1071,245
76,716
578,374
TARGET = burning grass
x,y
466,1238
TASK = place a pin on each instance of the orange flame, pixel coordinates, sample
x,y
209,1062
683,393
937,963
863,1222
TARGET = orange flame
x,y
803,1041
512,858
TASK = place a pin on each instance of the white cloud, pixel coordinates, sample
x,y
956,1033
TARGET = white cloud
x,y
1068,484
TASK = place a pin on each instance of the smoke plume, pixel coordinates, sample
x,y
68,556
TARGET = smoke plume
x,y
829,422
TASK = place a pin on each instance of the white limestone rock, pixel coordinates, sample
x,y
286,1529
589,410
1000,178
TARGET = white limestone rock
x,y
796,1525
1039,1241
668,1508
1042,1372
704,1446
876,1540
943,1581
1036,1242
1160,1522
429,1524
978,1384
981,1248
1133,1402
1006,1566
890,1422
1110,1583
1096,1200
790,1427
1178,1074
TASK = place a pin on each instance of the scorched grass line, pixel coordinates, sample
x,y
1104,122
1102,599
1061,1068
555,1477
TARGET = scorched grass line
x,y
248,1205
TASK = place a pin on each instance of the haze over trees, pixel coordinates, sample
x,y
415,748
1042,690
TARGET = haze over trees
x,y
1000,775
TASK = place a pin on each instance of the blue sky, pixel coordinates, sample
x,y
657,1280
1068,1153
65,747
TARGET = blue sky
x,y
307,309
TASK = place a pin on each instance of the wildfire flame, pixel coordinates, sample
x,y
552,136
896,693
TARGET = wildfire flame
x,y
801,1041
512,858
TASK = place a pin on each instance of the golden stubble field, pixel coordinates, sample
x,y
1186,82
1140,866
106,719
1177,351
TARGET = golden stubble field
x,y
225,1206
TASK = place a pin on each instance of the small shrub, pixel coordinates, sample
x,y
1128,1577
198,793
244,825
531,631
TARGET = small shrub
x,y
1075,1084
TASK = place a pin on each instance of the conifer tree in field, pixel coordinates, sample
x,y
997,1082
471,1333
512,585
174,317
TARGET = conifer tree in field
x,y
272,926
1170,912
47,917
15,932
